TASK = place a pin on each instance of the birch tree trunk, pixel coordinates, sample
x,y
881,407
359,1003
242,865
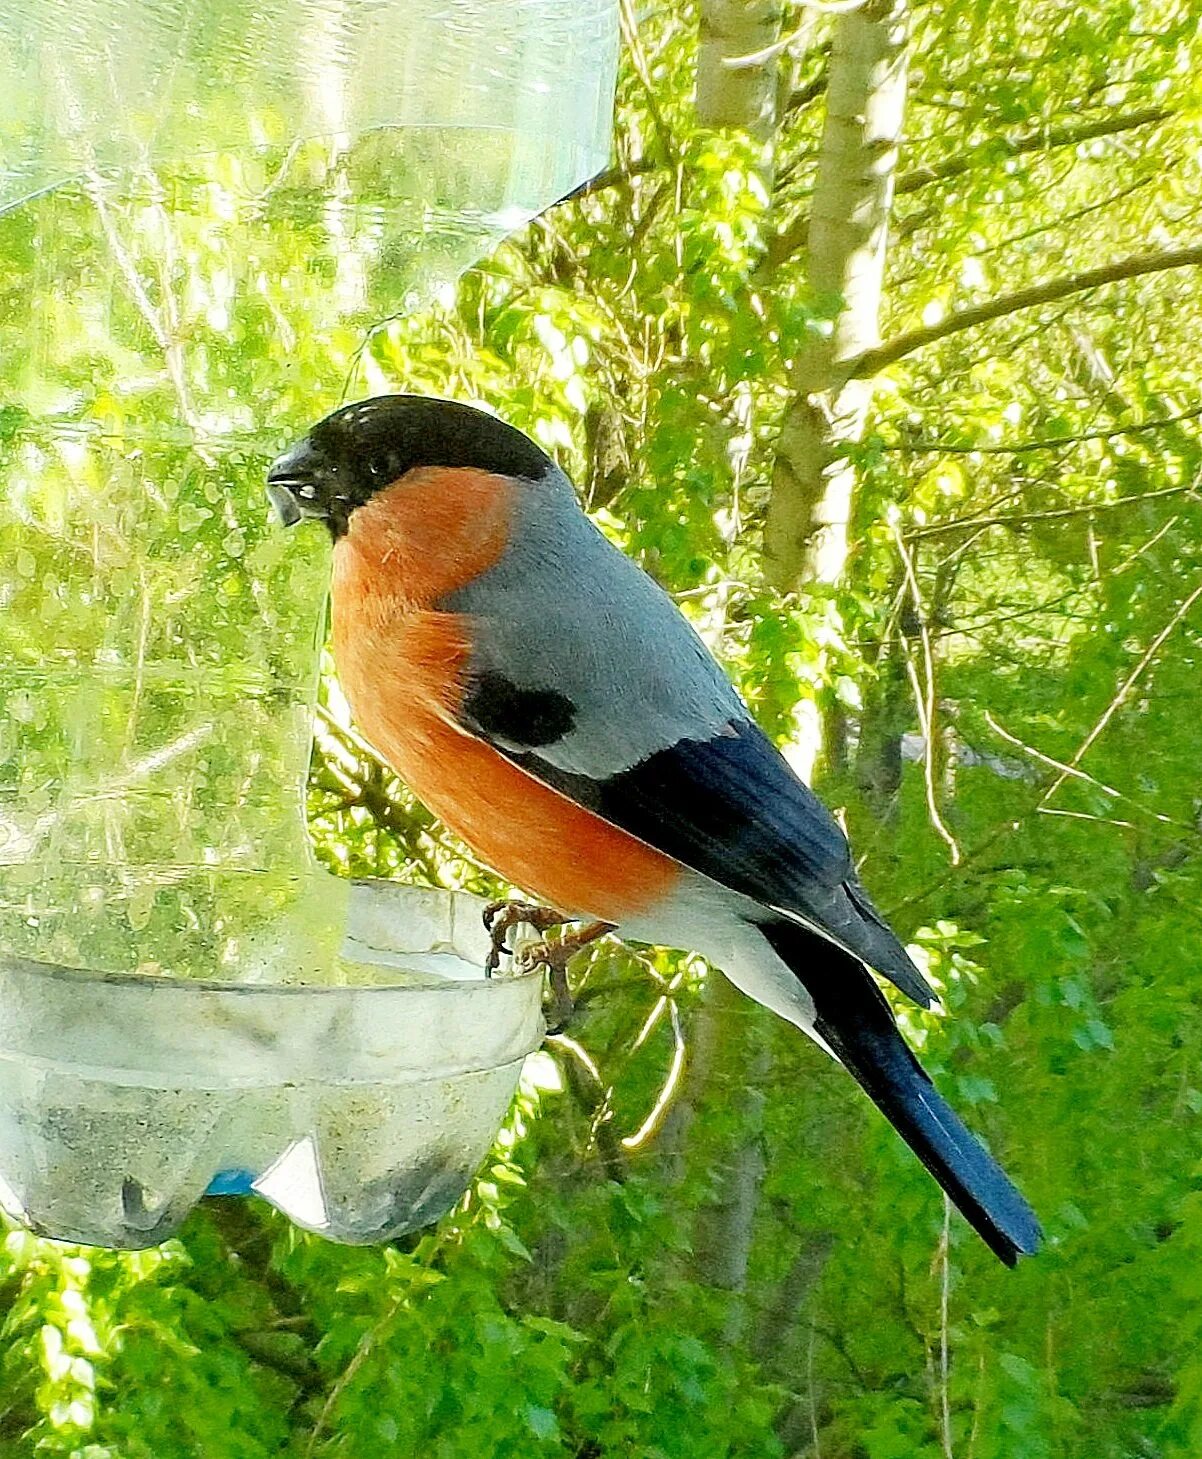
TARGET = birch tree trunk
x,y
740,1061
813,483
738,65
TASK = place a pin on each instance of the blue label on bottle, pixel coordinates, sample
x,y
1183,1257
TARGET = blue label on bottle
x,y
231,1183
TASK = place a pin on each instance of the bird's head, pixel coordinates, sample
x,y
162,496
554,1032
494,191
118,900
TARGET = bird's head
x,y
363,448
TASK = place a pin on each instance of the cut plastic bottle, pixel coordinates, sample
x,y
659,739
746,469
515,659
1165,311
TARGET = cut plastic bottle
x,y
217,215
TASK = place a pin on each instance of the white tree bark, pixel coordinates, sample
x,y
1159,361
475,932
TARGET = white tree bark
x,y
813,482
813,485
738,65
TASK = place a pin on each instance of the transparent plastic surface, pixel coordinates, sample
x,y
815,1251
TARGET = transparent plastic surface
x,y
360,1112
206,210
209,208
112,85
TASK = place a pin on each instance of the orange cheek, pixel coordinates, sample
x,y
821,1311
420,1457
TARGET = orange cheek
x,y
427,534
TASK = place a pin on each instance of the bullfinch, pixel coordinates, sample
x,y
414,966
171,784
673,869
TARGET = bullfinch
x,y
548,702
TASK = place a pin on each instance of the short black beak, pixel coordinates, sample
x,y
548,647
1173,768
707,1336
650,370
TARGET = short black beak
x,y
287,508
292,484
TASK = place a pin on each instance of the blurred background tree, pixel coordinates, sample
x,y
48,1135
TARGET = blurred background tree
x,y
878,347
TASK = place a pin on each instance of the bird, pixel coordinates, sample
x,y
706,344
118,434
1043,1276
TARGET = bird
x,y
549,703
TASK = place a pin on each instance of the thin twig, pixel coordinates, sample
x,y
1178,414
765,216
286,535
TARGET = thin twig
x,y
615,176
1007,828
595,1097
809,91
348,734
944,1259
1049,443
167,340
638,57
1124,690
1047,810
1162,531
362,1352
671,1083
1074,772
1049,760
1043,140
785,243
661,1004
926,708
1061,221
1020,519
810,1394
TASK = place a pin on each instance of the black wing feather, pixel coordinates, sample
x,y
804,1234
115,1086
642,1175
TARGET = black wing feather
x,y
732,809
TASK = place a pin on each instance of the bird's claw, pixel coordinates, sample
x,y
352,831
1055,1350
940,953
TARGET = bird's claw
x,y
502,916
554,957
554,954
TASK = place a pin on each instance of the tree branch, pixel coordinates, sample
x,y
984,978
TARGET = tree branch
x,y
1047,443
1122,694
921,216
875,360
801,96
1043,140
613,177
926,700
638,58
1021,519
593,1098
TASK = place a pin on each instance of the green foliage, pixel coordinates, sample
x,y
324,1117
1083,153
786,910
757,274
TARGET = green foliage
x,y
1041,474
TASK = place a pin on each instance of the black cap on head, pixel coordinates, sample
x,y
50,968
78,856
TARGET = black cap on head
x,y
355,452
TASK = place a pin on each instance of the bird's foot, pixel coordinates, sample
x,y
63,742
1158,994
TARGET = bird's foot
x,y
500,919
554,954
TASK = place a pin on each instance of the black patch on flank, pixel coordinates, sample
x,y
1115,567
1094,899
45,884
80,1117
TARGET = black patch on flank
x,y
365,447
517,718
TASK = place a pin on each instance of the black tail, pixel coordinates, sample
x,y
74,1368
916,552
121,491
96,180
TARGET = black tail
x,y
854,1019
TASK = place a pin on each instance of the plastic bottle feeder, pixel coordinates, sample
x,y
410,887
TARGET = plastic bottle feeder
x,y
206,220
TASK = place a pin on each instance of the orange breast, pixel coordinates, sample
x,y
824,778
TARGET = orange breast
x,y
402,664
